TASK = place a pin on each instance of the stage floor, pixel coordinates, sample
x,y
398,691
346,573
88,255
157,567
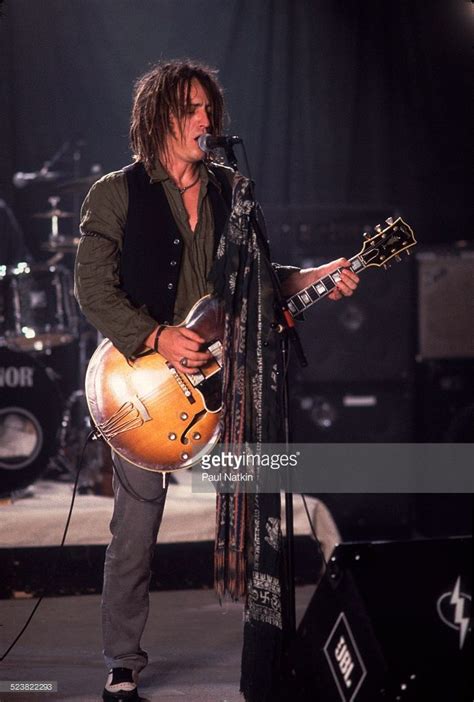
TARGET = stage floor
x,y
193,643
38,518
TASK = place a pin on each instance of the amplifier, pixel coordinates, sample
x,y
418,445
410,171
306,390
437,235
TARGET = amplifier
x,y
352,412
446,304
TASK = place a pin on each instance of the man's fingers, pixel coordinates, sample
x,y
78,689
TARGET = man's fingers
x,y
192,355
335,295
190,334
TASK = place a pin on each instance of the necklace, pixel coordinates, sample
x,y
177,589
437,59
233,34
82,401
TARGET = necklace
x,y
186,187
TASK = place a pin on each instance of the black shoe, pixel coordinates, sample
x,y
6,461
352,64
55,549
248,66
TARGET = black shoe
x,y
121,686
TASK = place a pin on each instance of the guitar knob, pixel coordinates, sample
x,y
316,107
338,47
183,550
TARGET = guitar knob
x,y
172,436
196,436
389,220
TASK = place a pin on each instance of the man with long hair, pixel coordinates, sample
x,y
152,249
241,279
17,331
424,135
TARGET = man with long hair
x,y
156,237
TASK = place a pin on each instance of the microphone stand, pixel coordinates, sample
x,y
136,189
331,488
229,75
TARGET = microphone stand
x,y
290,334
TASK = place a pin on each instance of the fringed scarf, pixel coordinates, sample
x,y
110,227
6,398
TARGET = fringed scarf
x,y
248,536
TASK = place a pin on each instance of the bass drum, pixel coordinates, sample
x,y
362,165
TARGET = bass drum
x,y
30,418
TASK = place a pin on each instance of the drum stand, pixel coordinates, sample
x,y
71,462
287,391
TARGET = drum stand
x,y
75,422
76,425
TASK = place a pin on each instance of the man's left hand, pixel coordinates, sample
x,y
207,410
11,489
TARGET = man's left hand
x,y
307,276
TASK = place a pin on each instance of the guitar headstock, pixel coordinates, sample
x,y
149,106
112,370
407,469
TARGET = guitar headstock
x,y
387,244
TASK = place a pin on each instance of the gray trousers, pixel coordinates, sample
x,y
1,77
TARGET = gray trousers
x,y
127,570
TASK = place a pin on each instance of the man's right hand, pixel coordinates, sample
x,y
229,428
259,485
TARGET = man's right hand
x,y
178,343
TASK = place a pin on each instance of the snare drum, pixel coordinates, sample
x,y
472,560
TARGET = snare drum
x,y
30,418
37,307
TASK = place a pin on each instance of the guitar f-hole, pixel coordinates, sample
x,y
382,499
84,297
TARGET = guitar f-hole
x,y
195,420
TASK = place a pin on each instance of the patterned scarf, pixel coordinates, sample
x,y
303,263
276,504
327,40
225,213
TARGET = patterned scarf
x,y
248,536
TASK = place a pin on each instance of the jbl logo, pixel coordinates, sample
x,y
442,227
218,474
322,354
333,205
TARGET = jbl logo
x,y
16,377
345,661
344,658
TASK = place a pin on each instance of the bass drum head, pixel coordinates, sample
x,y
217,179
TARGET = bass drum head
x,y
30,418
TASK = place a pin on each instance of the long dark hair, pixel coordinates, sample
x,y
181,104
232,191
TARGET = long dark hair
x,y
164,91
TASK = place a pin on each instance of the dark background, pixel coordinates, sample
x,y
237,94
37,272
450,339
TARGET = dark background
x,y
345,103
350,111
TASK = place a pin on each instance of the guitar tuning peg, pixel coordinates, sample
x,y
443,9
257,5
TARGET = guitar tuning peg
x,y
389,220
408,252
398,258
366,235
378,228
385,266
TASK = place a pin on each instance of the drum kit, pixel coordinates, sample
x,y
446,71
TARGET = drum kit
x,y
43,422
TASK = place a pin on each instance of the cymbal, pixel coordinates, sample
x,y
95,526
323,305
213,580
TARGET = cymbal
x,y
49,214
61,244
79,185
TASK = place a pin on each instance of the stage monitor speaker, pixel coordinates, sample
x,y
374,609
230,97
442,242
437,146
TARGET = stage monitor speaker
x,y
446,304
352,412
389,621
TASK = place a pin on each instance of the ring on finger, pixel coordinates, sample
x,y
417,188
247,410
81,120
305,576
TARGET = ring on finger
x,y
184,361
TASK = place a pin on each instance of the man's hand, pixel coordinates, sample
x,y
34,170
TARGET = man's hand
x,y
178,343
307,276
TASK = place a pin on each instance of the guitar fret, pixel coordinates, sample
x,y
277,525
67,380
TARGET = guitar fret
x,y
313,293
320,287
305,297
328,282
356,264
292,307
299,304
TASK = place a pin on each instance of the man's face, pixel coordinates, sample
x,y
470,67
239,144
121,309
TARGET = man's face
x,y
182,141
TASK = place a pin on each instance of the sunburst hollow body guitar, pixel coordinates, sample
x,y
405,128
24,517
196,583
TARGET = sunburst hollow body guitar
x,y
163,420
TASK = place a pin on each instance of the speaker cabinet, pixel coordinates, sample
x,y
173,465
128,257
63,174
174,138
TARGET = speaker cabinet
x,y
389,621
445,400
446,304
355,412
368,336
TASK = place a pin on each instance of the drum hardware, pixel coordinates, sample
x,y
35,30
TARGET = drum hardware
x,y
74,429
52,214
57,243
21,179
62,245
37,307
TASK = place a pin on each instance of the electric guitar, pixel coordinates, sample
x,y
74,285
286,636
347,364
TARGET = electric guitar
x,y
163,420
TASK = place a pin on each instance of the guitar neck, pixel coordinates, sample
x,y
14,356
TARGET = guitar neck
x,y
300,301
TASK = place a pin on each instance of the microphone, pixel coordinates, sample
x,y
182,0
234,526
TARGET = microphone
x,y
209,142
21,180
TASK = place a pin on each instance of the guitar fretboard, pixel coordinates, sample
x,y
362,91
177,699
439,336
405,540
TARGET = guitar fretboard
x,y
308,296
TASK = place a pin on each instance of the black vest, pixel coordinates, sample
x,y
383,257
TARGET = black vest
x,y
152,244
